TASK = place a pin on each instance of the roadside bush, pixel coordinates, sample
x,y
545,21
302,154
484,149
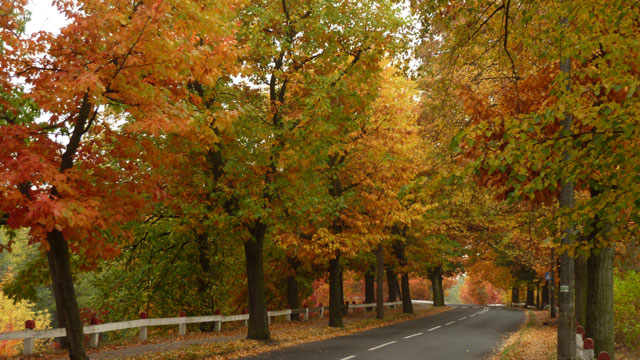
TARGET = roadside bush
x,y
627,308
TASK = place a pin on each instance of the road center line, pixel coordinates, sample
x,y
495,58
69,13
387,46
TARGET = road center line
x,y
348,357
462,318
449,323
383,345
410,336
437,327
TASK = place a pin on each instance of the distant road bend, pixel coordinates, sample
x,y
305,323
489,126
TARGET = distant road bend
x,y
466,332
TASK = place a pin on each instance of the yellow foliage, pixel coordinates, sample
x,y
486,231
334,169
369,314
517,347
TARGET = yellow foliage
x,y
13,317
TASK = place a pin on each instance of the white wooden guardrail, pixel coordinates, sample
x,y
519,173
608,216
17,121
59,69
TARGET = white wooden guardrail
x,y
29,334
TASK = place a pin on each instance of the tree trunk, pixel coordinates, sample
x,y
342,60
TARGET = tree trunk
x,y
552,286
206,302
407,306
335,293
530,295
62,282
581,281
545,294
538,305
59,314
435,275
258,320
398,249
599,319
567,318
515,295
392,281
370,286
345,307
380,282
292,296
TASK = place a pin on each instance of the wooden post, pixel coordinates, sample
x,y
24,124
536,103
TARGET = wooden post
x,y
246,322
95,337
306,313
29,325
321,311
604,356
217,325
588,347
182,327
142,330
288,316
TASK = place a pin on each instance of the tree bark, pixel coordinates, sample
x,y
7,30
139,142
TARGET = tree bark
x,y
258,318
392,281
370,286
567,318
599,320
62,281
59,315
380,282
407,306
292,296
552,286
435,275
206,302
545,294
530,296
581,282
335,293
538,305
515,295
398,249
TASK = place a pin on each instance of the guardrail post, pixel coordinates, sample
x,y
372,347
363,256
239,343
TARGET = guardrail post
x,y
306,313
321,311
95,337
246,321
604,356
588,349
288,315
182,327
27,349
142,330
217,325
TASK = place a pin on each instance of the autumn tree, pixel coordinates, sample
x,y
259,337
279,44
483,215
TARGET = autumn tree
x,y
516,85
111,78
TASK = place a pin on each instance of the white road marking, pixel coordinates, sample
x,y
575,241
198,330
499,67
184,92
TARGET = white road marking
x,y
410,336
383,345
449,323
437,327
472,315
348,357
462,318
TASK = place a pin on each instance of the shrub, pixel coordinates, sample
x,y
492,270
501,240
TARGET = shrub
x,y
627,308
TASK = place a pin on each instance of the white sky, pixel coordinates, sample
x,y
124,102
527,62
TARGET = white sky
x,y
44,17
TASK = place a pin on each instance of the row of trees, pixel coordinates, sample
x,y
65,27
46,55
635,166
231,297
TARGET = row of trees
x,y
152,133
277,142
549,93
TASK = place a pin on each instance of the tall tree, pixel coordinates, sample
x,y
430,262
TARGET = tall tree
x,y
111,78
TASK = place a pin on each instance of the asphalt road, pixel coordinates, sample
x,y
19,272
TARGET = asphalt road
x,y
466,332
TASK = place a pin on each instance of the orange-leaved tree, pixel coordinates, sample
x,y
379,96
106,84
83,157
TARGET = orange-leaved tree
x,y
111,83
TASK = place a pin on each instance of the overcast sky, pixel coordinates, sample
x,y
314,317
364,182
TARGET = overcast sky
x,y
44,17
